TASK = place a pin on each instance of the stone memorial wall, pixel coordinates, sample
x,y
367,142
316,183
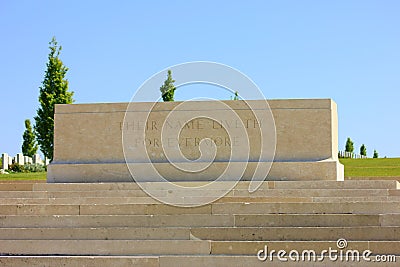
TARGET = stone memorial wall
x,y
98,142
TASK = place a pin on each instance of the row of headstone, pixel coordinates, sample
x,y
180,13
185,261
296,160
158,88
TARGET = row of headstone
x,y
21,160
345,154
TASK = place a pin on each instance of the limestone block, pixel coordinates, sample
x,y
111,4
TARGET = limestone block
x,y
306,141
58,221
118,172
306,208
296,233
72,261
389,219
201,261
16,187
307,220
145,209
111,233
252,247
312,192
104,247
39,209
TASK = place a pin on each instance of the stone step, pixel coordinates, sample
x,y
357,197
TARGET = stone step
x,y
215,208
198,220
56,221
294,193
245,208
369,233
182,247
252,247
394,192
16,186
244,260
175,260
149,200
118,224
73,194
328,220
87,261
243,185
104,247
38,209
348,184
83,200
304,208
93,209
313,192
357,199
96,233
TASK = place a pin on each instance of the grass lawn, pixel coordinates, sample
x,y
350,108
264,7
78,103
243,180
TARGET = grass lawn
x,y
371,167
23,176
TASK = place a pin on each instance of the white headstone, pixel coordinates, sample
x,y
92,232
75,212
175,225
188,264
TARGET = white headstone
x,y
27,159
4,160
20,159
36,159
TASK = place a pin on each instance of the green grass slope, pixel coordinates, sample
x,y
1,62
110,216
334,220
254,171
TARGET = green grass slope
x,y
23,176
389,167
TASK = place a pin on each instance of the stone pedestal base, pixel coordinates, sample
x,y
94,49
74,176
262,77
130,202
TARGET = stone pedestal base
x,y
118,172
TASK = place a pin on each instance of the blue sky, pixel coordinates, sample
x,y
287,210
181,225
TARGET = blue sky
x,y
345,50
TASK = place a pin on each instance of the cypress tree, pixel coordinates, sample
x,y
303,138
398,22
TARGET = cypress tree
x,y
54,90
168,88
29,146
349,145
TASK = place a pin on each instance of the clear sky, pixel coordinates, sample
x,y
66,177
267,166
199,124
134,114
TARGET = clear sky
x,y
345,50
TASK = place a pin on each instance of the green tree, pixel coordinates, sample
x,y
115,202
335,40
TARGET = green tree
x,y
349,145
168,88
363,150
29,146
376,155
54,90
236,97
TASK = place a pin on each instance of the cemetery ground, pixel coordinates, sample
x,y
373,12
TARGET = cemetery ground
x,y
382,169
22,176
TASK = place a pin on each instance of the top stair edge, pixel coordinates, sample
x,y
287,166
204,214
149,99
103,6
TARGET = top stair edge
x,y
348,184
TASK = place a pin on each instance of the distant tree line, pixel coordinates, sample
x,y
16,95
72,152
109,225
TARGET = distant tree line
x,y
349,147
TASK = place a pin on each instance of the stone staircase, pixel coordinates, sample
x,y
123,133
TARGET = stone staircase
x,y
118,224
